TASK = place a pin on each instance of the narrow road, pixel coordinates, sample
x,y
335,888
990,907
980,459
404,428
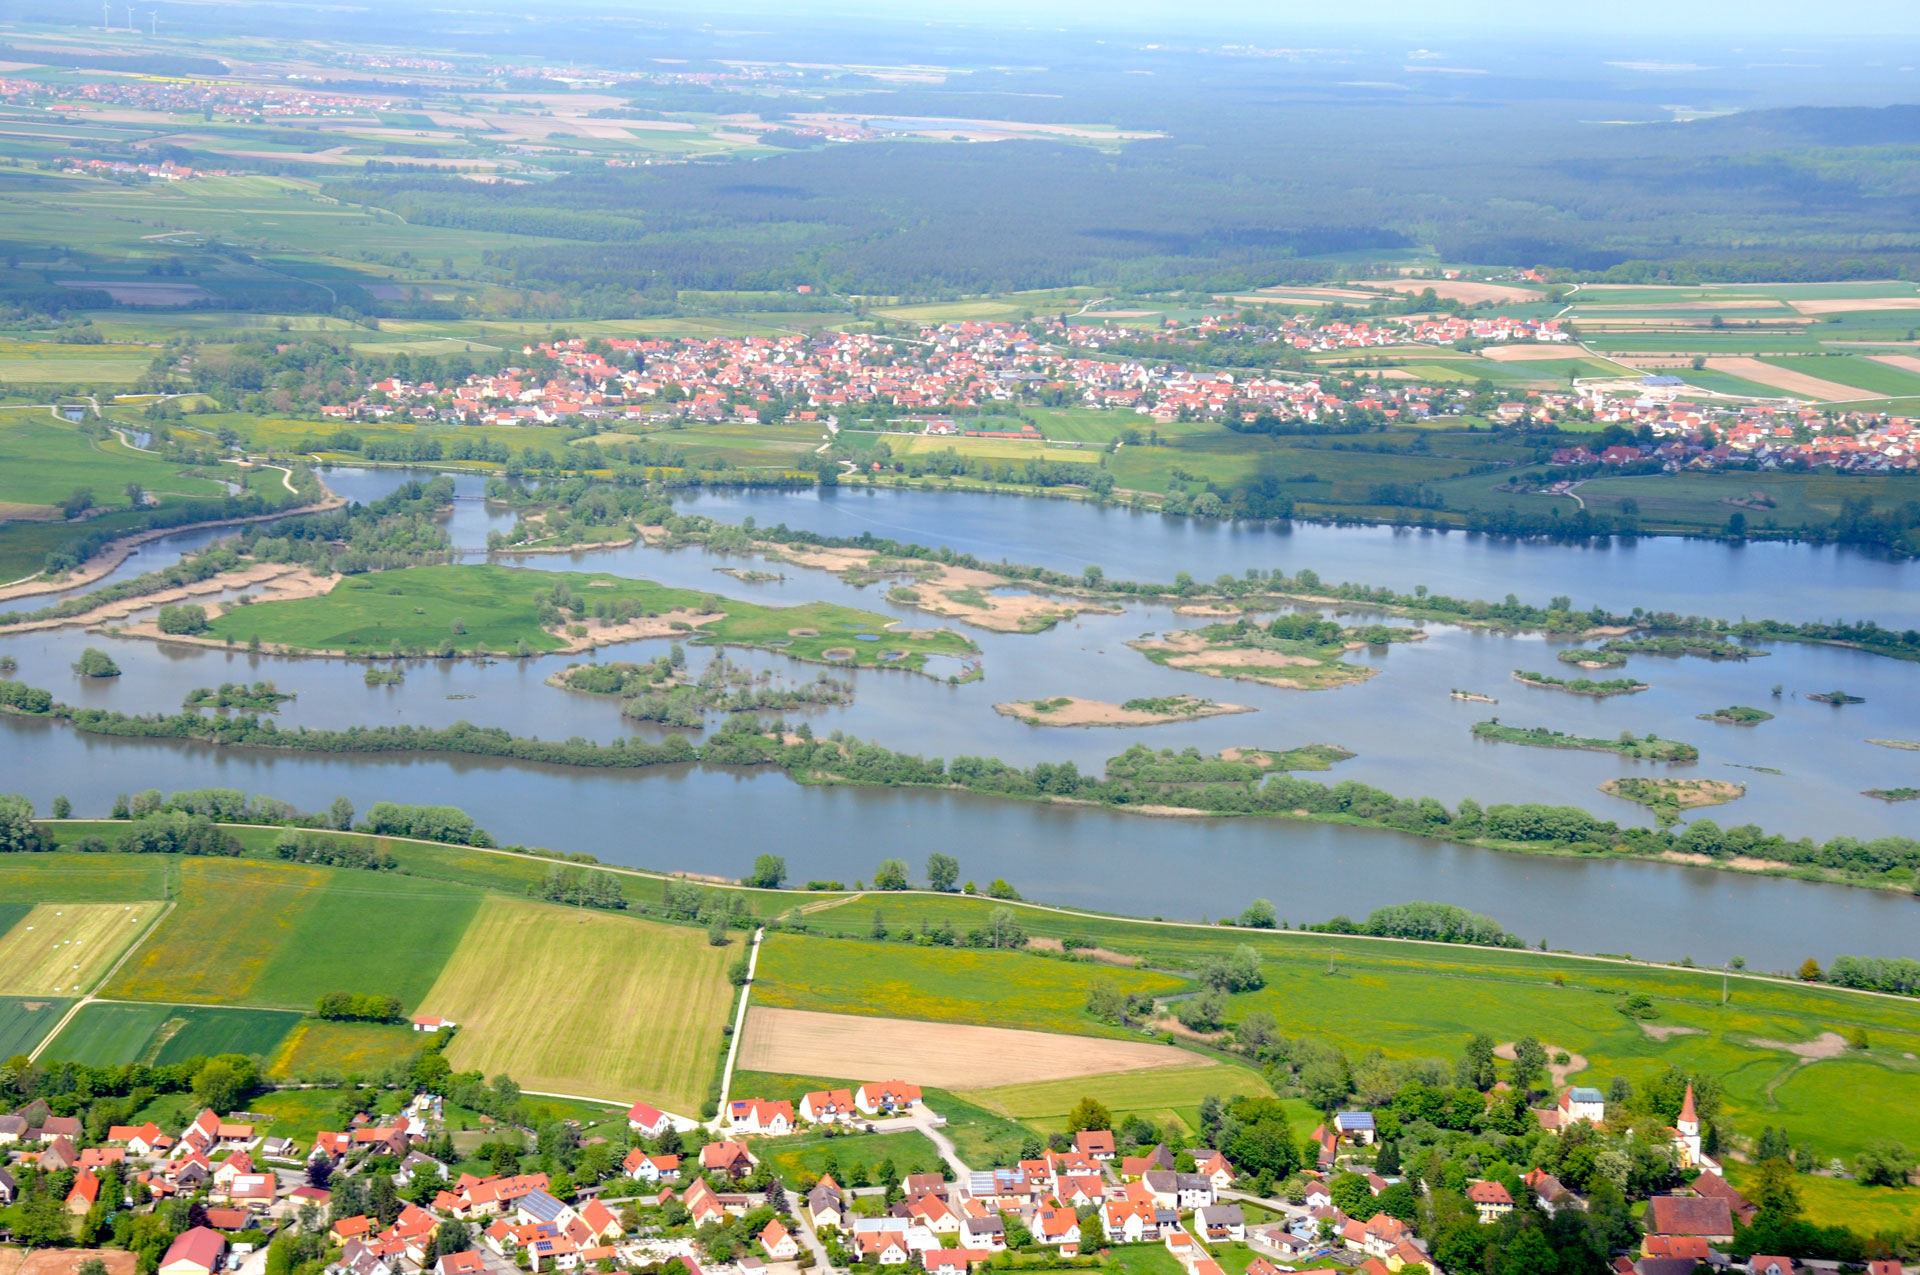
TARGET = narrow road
x,y
739,1025
803,1225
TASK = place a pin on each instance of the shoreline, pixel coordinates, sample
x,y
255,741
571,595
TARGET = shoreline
x,y
1089,714
120,549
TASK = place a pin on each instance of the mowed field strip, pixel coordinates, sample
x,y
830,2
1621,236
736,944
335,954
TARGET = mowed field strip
x,y
944,1055
586,1003
1784,380
61,949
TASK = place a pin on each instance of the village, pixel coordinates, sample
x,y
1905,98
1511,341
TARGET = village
x,y
939,381
384,1195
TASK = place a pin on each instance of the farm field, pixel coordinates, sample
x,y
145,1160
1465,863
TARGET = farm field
x,y
43,460
951,985
1010,449
51,363
947,1055
315,1047
26,1020
1414,1000
332,930
107,1033
83,878
591,1003
64,948
1863,374
1153,1095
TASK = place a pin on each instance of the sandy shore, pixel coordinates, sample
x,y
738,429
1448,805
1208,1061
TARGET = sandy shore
x,y
1092,712
1688,794
120,550
275,582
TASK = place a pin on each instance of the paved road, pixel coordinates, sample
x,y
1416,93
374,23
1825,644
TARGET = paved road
x,y
940,1140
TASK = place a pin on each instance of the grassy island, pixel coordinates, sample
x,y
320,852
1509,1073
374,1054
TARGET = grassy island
x,y
1694,644
1737,715
1892,794
1300,652
1069,710
661,691
1906,745
478,608
261,697
1581,685
1586,658
1837,698
1666,798
1647,748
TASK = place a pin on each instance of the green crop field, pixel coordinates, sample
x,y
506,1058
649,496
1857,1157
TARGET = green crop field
x,y
1008,449
332,930
106,1034
498,607
313,1047
994,989
109,1033
1852,369
43,460
911,1152
587,1003
82,878
26,1020
1153,1095
193,1031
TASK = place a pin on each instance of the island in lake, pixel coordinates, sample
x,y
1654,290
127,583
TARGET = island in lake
x,y
1070,710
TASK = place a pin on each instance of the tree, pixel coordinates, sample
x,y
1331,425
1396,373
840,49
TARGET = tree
x,y
1003,929
1773,1190
1529,1062
1476,1064
1351,1195
717,930
220,1085
42,1221
95,662
943,872
340,815
1259,915
1883,1163
18,833
1810,971
1089,1113
62,809
769,872
890,875
1530,1253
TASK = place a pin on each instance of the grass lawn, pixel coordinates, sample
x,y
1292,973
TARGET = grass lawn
x,y
910,1150
1868,1210
82,878
26,1020
498,607
587,1003
43,460
1145,1259
314,1047
330,930
1152,1094
957,985
65,947
298,1113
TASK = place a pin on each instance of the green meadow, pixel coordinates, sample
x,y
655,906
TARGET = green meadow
x,y
482,605
43,460
1154,1095
76,878
911,1151
110,1033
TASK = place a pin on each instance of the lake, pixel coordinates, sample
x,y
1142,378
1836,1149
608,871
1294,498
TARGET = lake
x,y
1410,736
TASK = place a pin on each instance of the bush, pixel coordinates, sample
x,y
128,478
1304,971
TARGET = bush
x,y
188,618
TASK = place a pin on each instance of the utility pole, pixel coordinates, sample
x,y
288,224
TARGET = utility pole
x,y
106,18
